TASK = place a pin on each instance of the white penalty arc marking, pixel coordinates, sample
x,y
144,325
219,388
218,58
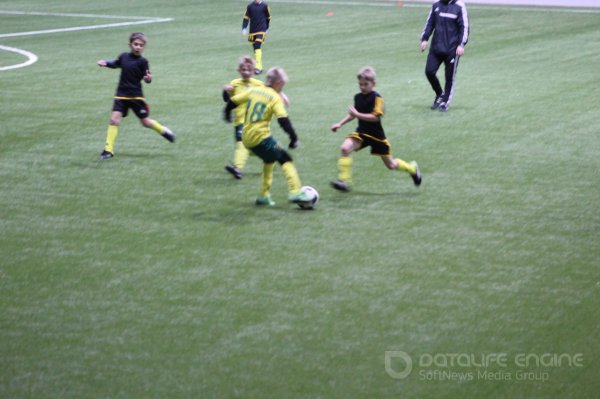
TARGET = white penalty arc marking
x,y
31,58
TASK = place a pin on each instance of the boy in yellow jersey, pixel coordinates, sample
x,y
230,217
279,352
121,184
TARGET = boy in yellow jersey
x,y
258,18
134,69
368,108
236,86
264,103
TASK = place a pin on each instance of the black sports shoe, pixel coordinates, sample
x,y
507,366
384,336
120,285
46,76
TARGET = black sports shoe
x,y
168,134
417,176
438,101
444,107
257,71
234,171
106,155
340,186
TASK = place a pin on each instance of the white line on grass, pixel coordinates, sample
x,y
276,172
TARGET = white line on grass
x,y
62,14
399,4
31,58
138,21
86,27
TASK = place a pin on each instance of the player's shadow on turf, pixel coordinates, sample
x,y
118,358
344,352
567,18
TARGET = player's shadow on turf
x,y
140,155
237,213
124,156
398,194
425,110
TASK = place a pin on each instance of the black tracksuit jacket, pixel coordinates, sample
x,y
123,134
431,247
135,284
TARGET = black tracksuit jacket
x,y
449,20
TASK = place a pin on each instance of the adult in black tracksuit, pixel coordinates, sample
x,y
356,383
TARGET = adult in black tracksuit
x,y
449,23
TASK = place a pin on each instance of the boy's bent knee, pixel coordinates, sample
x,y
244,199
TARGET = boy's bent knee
x,y
346,151
146,122
284,157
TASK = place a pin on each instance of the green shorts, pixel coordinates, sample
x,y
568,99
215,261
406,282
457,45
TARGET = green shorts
x,y
270,151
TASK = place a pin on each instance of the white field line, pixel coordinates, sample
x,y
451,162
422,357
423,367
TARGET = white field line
x,y
85,27
32,58
400,4
76,15
137,21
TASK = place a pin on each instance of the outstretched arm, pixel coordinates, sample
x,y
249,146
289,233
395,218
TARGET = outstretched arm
x,y
341,123
107,64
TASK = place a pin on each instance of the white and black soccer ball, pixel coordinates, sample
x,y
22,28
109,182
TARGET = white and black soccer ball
x,y
313,194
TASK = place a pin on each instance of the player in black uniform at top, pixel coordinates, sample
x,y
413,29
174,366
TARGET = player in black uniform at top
x,y
134,69
258,16
449,23
368,109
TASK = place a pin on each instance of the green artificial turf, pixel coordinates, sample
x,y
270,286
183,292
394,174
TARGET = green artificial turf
x,y
153,275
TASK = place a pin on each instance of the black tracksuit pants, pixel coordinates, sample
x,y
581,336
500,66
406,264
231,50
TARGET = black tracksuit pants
x,y
434,61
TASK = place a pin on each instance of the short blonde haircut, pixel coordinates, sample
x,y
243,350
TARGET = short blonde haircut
x,y
367,73
247,60
274,75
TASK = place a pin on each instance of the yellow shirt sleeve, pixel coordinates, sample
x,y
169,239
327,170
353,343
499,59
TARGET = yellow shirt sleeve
x,y
279,110
378,109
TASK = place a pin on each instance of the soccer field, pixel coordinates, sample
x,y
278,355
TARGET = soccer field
x,y
154,275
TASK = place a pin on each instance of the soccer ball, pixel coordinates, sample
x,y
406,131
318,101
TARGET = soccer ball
x,y
313,194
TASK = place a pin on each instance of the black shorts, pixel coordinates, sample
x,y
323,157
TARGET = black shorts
x,y
139,107
258,37
378,146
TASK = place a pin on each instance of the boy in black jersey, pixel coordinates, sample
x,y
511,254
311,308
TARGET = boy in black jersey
x,y
258,16
134,69
368,109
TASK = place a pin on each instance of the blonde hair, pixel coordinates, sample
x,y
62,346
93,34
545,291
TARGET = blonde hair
x,y
137,36
247,60
367,73
274,75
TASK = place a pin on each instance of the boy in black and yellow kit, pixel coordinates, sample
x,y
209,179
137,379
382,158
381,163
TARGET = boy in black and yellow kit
x,y
368,108
258,16
134,69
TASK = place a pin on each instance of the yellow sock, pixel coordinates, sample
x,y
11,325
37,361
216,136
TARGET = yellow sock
x,y
111,137
240,155
345,169
258,58
405,166
157,127
266,179
291,175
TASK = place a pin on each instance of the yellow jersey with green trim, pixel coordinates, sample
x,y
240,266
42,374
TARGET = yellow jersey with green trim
x,y
240,85
262,104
